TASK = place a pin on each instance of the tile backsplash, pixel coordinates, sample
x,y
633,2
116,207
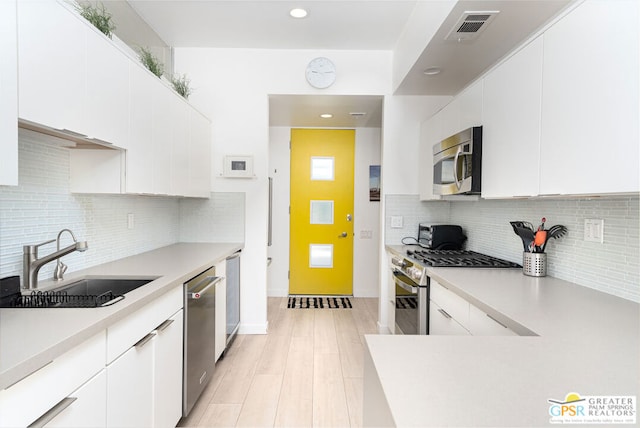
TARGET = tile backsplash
x,y
612,267
41,205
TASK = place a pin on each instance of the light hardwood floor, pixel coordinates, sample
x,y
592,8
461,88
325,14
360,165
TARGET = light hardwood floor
x,y
306,372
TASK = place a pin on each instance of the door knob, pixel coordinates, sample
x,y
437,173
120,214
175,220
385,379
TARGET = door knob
x,y
349,218
343,235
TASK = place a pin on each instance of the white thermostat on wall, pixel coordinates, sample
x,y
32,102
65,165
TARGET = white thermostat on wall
x,y
238,166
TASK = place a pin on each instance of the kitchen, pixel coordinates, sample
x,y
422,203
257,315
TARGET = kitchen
x,y
236,97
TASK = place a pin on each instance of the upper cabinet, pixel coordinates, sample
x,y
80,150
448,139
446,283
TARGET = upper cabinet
x,y
8,94
589,141
52,59
75,81
511,131
465,111
560,116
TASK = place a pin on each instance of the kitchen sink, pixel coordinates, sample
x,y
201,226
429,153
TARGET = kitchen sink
x,y
100,286
89,292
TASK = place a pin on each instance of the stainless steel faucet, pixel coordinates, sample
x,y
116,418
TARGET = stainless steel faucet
x,y
32,264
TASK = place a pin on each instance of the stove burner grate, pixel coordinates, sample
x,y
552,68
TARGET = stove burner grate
x,y
458,258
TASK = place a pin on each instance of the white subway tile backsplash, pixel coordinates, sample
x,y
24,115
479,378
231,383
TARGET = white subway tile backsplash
x,y
612,267
41,205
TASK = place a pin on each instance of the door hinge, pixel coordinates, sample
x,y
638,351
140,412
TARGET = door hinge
x,y
289,144
288,274
289,209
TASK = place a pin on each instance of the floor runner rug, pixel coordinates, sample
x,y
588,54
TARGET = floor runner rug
x,y
406,303
319,303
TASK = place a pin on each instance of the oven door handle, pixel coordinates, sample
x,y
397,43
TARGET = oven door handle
x,y
410,288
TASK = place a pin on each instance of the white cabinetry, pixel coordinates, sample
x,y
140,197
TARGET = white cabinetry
x,y
167,375
465,111
199,155
144,366
130,387
8,94
483,324
430,134
450,314
590,101
52,57
511,125
87,408
221,309
73,78
39,394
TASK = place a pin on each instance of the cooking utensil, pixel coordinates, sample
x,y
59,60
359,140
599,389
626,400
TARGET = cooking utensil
x,y
540,238
526,235
541,227
554,232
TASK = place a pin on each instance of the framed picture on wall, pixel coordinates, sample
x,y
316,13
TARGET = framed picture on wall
x,y
374,182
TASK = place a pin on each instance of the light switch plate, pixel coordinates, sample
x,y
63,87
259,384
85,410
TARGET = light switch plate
x,y
396,222
594,230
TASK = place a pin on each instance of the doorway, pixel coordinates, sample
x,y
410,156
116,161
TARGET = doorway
x,y
321,211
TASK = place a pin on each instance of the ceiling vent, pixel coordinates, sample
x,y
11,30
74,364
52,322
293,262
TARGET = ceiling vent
x,y
470,25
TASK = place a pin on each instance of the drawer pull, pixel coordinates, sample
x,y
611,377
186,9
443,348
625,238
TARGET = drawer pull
x,y
164,325
53,412
444,313
497,321
144,340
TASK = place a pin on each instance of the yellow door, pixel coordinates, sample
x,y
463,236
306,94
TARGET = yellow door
x,y
321,221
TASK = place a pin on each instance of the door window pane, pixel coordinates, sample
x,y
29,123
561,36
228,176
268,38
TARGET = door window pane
x,y
321,212
320,255
322,168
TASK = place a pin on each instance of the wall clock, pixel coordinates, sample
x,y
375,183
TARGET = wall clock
x,y
321,73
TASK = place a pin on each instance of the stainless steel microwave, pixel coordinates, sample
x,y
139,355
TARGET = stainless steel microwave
x,y
457,163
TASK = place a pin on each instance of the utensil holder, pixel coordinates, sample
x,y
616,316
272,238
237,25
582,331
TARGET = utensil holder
x,y
534,264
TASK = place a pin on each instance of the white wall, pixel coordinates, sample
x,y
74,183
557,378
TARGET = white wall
x,y
366,214
231,86
402,116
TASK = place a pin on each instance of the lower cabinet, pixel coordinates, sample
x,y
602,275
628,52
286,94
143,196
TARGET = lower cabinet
x,y
130,387
167,375
442,323
145,383
84,408
450,314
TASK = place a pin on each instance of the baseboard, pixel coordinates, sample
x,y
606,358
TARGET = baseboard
x,y
277,292
383,329
253,328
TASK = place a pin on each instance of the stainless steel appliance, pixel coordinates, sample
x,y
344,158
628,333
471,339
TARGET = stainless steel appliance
x,y
412,296
199,336
233,296
457,163
412,281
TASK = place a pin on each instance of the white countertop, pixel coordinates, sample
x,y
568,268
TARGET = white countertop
x,y
588,342
30,338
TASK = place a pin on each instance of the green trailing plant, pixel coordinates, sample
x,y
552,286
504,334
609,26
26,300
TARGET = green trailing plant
x,y
98,16
150,61
181,84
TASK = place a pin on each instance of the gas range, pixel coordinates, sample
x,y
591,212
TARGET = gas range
x,y
458,258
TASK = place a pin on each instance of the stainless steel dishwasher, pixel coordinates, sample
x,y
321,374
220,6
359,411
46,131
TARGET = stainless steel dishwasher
x,y
199,336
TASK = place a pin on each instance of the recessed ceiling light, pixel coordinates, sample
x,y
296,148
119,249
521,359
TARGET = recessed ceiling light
x,y
432,71
326,115
298,13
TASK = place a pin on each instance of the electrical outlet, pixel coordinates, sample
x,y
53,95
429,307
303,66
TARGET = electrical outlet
x,y
366,234
130,221
594,230
396,222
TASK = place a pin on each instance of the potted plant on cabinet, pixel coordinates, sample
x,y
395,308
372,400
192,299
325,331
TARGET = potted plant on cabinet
x,y
98,16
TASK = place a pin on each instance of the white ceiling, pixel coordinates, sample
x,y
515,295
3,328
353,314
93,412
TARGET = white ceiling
x,y
346,25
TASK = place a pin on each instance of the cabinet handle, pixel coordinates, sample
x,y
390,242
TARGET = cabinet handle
x,y
444,313
496,321
144,340
165,324
53,412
